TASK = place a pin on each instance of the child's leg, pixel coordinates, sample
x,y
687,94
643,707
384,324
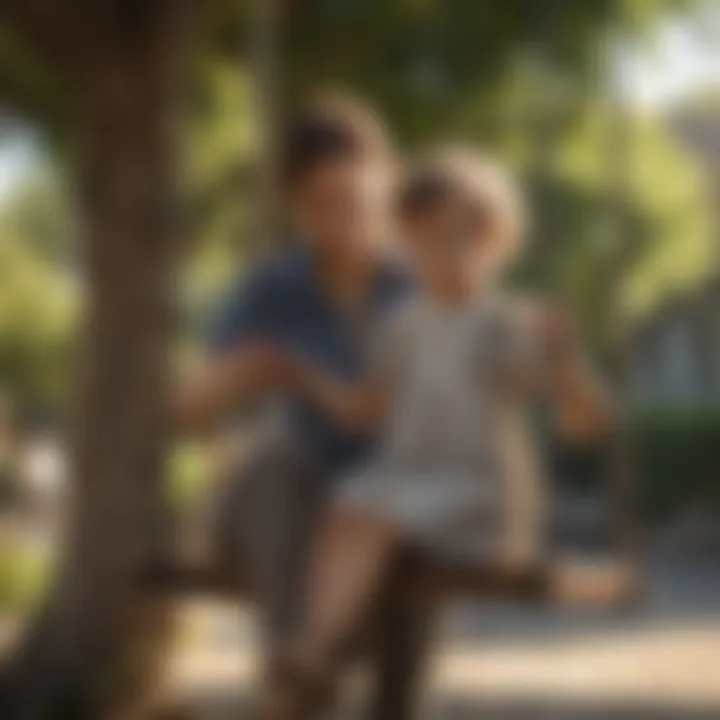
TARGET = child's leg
x,y
352,559
353,556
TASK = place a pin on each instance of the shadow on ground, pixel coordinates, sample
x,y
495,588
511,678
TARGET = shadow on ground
x,y
497,662
231,708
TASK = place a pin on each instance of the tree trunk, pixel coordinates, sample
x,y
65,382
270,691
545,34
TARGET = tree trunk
x,y
77,656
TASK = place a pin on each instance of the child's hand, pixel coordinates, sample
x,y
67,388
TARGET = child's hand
x,y
582,409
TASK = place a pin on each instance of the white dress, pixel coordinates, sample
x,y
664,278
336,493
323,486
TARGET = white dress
x,y
455,470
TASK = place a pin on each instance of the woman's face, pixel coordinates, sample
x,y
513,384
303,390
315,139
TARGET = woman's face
x,y
340,207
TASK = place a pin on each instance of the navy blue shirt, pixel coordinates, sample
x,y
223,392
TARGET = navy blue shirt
x,y
283,302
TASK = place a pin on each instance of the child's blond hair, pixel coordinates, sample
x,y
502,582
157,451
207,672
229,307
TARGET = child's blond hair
x,y
485,183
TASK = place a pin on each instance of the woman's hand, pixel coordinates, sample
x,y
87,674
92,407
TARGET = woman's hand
x,y
238,377
269,368
357,406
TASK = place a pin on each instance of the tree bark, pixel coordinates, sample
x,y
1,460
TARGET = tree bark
x,y
75,661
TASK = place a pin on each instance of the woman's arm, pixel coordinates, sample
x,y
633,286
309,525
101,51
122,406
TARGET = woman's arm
x,y
250,372
233,378
238,366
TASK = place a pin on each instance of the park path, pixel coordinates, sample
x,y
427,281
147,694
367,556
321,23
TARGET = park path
x,y
499,662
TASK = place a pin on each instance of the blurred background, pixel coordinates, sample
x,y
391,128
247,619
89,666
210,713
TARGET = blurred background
x,y
610,113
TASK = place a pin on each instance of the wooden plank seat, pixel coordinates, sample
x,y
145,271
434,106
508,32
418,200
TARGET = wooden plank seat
x,y
588,567
599,581
574,581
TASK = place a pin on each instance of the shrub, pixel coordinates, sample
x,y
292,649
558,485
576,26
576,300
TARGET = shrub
x,y
675,460
677,454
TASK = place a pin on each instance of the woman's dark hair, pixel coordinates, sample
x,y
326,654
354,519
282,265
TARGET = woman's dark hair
x,y
330,128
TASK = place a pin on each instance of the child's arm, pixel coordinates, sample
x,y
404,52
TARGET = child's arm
x,y
357,405
582,407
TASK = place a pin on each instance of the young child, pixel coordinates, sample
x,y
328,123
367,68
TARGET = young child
x,y
452,372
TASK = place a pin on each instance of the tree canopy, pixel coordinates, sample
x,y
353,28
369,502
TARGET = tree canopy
x,y
523,76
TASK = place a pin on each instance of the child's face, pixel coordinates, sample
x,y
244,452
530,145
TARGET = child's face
x,y
448,247
339,208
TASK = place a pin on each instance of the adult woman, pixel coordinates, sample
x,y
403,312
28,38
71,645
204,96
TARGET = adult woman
x,y
316,299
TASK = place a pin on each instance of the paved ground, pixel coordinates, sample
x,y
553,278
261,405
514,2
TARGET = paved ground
x,y
500,663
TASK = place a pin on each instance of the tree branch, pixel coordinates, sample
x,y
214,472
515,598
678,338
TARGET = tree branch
x,y
46,25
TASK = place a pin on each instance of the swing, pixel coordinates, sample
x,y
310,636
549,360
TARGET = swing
x,y
606,576
598,562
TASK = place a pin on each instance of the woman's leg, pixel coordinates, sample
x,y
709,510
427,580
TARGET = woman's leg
x,y
354,554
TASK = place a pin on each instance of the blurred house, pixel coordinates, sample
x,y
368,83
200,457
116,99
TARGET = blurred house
x,y
675,355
